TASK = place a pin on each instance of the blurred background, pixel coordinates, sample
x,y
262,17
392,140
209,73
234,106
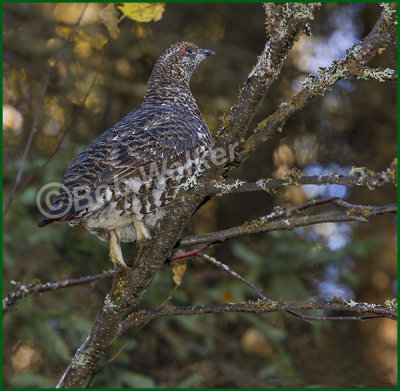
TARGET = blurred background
x,y
352,125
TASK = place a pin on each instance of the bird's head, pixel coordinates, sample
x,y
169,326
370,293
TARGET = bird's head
x,y
177,64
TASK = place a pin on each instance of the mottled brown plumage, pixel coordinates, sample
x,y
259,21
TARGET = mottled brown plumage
x,y
118,186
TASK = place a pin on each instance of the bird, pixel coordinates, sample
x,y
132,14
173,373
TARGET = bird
x,y
120,186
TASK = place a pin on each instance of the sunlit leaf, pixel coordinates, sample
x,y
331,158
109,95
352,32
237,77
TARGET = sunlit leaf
x,y
178,268
143,12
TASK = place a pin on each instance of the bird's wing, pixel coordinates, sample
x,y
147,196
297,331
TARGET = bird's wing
x,y
161,139
146,139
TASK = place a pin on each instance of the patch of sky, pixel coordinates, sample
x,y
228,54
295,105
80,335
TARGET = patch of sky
x,y
346,30
323,191
331,285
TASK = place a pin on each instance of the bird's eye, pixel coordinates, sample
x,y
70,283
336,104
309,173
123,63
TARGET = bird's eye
x,y
188,50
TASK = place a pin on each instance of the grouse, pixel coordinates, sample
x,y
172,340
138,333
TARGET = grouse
x,y
120,185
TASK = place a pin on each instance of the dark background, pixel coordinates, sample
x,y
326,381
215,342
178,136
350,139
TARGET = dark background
x,y
352,125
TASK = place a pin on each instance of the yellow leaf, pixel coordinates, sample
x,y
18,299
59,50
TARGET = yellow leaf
x,y
178,268
143,12
227,298
63,31
109,17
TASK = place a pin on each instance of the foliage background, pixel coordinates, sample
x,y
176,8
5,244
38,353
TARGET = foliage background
x,y
353,125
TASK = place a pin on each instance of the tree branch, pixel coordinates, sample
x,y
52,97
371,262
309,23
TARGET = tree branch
x,y
36,288
359,176
383,34
259,293
268,223
258,307
283,27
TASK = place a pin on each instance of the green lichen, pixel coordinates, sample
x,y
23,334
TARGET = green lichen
x,y
81,358
351,303
298,11
226,121
264,305
110,305
387,11
365,177
192,181
391,304
226,188
358,170
293,176
360,214
263,184
318,83
377,74
136,318
120,290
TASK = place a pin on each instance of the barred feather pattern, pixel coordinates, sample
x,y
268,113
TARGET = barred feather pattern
x,y
136,168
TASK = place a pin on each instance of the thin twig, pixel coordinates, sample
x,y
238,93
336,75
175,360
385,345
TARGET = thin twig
x,y
259,293
189,254
36,288
236,275
15,190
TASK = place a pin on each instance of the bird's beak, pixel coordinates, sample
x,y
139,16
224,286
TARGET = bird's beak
x,y
206,52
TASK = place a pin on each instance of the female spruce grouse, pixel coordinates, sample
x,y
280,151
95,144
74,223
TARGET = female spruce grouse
x,y
118,187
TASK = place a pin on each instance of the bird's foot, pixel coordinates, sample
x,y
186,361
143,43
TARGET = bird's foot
x,y
115,252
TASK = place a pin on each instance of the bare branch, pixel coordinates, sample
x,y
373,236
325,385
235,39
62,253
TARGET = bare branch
x,y
258,307
236,275
359,176
268,223
36,288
